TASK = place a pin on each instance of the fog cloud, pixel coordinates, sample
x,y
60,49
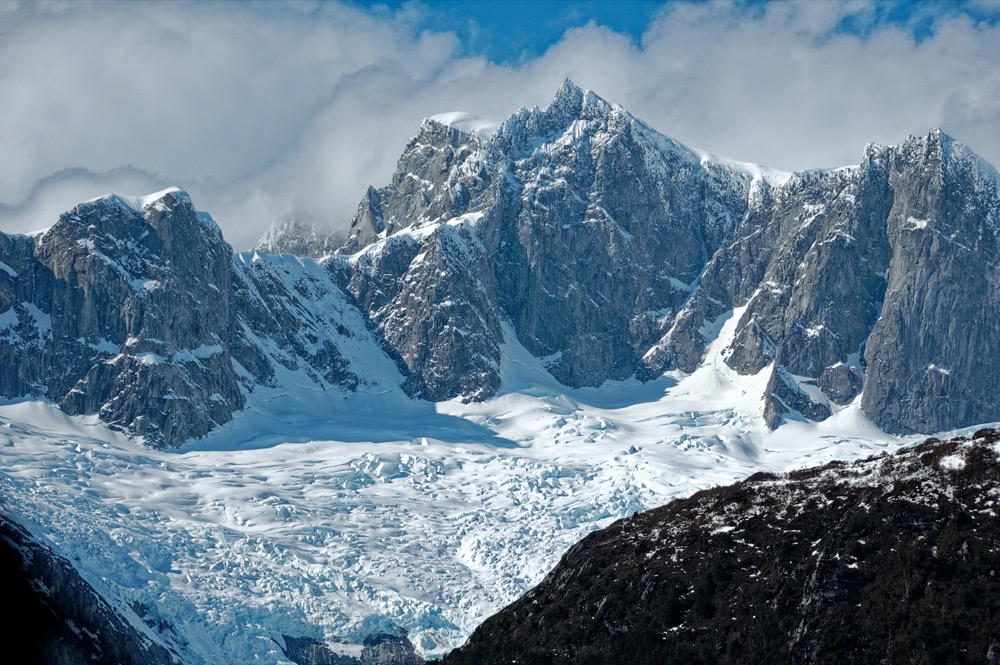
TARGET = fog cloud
x,y
268,110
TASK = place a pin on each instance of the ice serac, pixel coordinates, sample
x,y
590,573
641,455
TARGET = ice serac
x,y
122,309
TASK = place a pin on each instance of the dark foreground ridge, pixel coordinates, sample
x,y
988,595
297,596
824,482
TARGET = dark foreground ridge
x,y
894,559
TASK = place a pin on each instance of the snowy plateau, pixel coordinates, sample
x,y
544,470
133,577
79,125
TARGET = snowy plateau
x,y
530,333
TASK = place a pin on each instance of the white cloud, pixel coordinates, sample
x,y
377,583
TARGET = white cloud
x,y
264,110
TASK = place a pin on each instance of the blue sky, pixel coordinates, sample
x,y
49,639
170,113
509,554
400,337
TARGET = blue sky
x,y
513,31
263,110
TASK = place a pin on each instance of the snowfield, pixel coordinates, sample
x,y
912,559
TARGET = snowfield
x,y
336,515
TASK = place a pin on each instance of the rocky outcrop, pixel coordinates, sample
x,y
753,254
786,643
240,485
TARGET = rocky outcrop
x,y
932,354
56,617
603,232
378,649
891,559
613,251
426,284
136,310
291,317
123,309
577,223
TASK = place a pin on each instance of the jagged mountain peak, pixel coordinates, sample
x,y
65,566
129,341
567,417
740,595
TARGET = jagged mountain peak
x,y
574,100
940,145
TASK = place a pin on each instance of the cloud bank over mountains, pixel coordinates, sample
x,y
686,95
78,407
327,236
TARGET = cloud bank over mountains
x,y
270,110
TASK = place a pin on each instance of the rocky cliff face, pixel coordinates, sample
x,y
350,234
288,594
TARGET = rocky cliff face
x,y
613,251
123,309
931,354
605,248
137,311
891,559
380,649
577,223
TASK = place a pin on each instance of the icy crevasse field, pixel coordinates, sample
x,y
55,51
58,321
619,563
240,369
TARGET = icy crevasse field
x,y
334,515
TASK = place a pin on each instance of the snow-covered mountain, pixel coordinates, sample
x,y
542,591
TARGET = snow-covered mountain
x,y
526,335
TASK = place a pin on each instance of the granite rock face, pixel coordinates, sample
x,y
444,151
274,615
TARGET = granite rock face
x,y
577,224
932,354
613,251
137,311
881,284
420,269
122,308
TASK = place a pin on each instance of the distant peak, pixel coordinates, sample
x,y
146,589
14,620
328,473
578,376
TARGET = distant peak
x,y
940,134
934,136
569,89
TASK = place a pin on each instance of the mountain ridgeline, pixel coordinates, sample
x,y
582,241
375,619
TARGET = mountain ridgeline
x,y
602,247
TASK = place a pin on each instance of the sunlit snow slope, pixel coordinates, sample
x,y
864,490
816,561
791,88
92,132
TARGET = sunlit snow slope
x,y
336,515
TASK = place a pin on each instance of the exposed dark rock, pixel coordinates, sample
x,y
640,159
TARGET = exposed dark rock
x,y
307,651
386,649
891,559
932,362
784,394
